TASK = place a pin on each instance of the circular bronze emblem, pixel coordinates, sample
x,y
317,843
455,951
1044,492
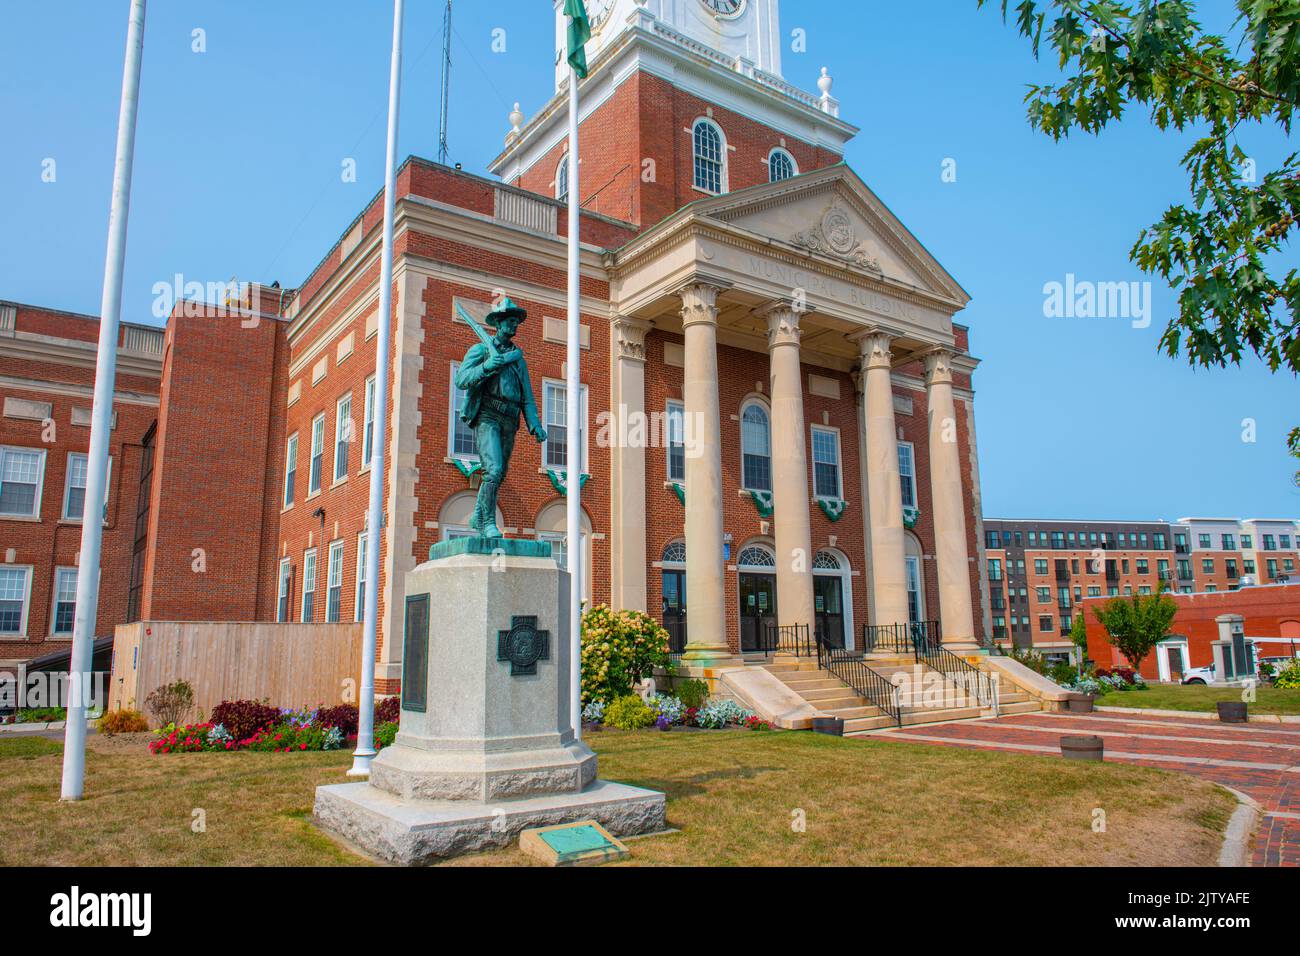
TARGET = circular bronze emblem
x,y
523,646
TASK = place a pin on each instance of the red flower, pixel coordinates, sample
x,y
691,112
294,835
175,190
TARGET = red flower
x,y
302,746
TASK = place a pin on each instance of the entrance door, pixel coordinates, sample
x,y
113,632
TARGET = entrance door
x,y
757,608
674,590
828,605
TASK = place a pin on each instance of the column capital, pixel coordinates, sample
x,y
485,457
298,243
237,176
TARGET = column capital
x,y
628,337
873,347
699,302
783,319
938,366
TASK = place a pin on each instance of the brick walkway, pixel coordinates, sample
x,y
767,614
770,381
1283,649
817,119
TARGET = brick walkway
x,y
1261,760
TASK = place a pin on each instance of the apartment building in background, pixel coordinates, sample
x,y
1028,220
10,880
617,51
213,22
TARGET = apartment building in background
x,y
1040,570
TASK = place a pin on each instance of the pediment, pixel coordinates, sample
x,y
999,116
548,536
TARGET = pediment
x,y
832,214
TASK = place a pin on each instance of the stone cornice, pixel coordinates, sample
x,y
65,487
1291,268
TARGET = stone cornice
x,y
29,346
120,397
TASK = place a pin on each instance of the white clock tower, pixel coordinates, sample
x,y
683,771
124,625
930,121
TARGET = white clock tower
x,y
748,30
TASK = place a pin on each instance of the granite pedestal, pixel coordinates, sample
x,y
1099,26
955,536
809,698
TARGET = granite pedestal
x,y
485,748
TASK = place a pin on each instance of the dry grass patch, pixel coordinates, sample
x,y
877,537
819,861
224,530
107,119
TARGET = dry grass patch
x,y
732,795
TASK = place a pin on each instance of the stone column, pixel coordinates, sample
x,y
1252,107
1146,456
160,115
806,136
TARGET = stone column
x,y
884,487
947,501
629,518
790,482
706,643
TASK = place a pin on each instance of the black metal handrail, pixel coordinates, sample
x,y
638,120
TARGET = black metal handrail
x,y
958,671
851,668
899,638
786,639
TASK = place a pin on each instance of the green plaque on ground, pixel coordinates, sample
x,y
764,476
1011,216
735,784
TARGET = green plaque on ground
x,y
572,844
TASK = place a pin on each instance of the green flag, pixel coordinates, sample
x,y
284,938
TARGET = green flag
x,y
579,34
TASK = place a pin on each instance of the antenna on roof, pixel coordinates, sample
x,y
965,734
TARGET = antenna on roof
x,y
446,84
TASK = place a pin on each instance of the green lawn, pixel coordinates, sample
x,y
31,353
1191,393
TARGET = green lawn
x,y
1200,697
733,797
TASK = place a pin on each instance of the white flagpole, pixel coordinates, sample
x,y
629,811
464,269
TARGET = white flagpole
x,y
365,751
92,516
573,425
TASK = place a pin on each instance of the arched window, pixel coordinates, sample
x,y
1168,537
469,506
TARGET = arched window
x,y
825,561
453,519
755,448
562,179
551,525
675,553
780,165
710,157
756,556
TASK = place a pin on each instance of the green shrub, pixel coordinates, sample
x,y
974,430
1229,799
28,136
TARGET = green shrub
x,y
1289,677
385,733
692,693
629,713
1031,658
619,649
40,715
1062,673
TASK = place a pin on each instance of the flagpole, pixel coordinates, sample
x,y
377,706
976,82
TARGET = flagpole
x,y
365,751
92,514
573,423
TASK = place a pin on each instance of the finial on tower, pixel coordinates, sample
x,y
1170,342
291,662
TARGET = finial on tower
x,y
828,103
516,119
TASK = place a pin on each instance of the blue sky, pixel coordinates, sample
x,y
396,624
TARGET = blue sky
x,y
238,173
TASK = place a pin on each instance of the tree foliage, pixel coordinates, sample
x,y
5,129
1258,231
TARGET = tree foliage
x,y
1219,249
1136,624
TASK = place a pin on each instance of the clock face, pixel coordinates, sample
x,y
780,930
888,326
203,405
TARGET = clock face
x,y
725,8
598,12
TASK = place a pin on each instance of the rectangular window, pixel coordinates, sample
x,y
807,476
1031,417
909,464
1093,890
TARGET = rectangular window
x,y
361,577
334,596
317,454
1207,565
675,440
1204,540
1247,542
1040,565
555,408
290,468
995,569
1229,542
65,601
1044,595
460,436
15,588
1248,566
907,473
1272,567
282,595
309,586
342,436
368,427
913,589
1284,541
1045,623
22,472
1269,543
992,539
74,494
826,463
1142,566
1159,541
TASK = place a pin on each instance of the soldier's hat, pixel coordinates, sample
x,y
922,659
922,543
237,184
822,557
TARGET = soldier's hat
x,y
506,309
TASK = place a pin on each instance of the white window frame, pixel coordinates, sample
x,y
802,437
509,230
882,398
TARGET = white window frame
x,y
359,610
912,574
54,602
910,477
839,461
343,430
671,408
21,633
453,417
308,562
368,424
722,153
334,581
316,475
584,461
584,542
67,487
762,406
283,590
562,179
35,514
781,151
290,468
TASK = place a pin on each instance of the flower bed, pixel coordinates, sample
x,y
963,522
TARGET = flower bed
x,y
257,726
665,712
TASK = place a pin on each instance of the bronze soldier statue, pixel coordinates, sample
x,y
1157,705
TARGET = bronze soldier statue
x,y
494,376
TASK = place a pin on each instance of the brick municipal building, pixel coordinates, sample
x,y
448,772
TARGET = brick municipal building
x,y
741,285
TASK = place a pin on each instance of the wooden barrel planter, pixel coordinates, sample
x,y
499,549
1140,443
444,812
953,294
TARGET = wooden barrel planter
x,y
1082,747
1080,703
1233,712
828,725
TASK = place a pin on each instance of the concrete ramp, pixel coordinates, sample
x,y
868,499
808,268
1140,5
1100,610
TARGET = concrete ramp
x,y
766,695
